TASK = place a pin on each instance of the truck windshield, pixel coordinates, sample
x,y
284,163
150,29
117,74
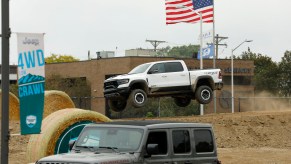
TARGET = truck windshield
x,y
140,69
121,139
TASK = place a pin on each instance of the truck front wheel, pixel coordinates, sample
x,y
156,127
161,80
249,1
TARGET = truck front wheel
x,y
138,98
117,105
203,94
182,101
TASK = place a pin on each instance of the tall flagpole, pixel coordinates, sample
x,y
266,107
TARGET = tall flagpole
x,y
201,56
214,57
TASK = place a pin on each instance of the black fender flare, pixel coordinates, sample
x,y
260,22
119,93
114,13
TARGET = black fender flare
x,y
142,83
207,77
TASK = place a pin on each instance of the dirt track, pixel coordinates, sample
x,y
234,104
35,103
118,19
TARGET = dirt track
x,y
248,137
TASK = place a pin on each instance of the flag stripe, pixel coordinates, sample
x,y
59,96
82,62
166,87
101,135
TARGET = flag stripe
x,y
178,11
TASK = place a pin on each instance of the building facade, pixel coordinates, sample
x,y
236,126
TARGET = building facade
x,y
12,74
140,52
96,71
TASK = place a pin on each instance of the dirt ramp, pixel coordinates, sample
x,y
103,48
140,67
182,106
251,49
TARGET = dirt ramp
x,y
248,129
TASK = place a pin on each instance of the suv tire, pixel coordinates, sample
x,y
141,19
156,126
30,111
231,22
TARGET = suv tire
x,y
117,105
204,94
182,101
138,98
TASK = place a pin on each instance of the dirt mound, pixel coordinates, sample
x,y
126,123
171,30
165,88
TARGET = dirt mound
x,y
236,135
248,129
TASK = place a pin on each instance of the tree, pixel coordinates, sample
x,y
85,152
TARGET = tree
x,y
285,75
183,51
60,58
265,73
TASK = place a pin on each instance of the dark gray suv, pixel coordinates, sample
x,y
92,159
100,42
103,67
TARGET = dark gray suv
x,y
141,142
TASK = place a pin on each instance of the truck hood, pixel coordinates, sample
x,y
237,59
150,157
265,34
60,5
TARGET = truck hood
x,y
91,158
123,76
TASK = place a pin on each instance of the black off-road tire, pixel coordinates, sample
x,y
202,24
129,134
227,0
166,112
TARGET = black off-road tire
x,y
182,101
117,105
138,98
204,94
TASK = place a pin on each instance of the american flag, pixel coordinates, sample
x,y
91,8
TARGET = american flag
x,y
183,11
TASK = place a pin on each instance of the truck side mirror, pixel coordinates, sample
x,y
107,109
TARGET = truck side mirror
x,y
153,71
152,149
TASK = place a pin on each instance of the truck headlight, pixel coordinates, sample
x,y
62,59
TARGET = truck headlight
x,y
122,81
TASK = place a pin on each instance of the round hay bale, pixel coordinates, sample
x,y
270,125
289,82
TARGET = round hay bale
x,y
14,113
55,100
53,126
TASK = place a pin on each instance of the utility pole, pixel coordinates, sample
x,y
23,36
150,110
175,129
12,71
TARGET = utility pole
x,y
218,39
5,83
155,43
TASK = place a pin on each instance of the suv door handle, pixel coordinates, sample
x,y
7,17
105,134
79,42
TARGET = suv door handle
x,y
164,76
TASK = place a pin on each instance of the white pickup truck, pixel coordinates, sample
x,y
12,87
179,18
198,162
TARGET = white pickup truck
x,y
162,78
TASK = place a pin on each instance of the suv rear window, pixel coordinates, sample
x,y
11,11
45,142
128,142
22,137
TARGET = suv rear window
x,y
203,141
181,141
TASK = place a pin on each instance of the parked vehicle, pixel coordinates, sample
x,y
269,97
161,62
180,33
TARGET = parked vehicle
x,y
163,78
141,142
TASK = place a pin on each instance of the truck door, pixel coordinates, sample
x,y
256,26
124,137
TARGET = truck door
x,y
161,139
169,76
177,75
156,77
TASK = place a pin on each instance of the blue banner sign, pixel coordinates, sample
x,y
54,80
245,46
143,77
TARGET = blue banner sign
x,y
31,81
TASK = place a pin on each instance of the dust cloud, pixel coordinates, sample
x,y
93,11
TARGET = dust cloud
x,y
264,101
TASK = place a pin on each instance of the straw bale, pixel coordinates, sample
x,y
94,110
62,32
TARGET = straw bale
x,y
13,106
41,145
56,100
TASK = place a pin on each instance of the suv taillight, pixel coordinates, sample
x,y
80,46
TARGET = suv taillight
x,y
218,162
219,75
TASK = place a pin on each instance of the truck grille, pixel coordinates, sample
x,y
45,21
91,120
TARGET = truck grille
x,y
110,85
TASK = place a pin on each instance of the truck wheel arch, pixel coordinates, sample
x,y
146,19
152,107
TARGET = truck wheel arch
x,y
139,84
201,81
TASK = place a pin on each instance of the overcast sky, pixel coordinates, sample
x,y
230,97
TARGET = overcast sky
x,y
73,27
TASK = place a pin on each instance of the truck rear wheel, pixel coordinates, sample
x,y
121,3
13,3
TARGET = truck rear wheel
x,y
117,105
182,101
138,98
204,94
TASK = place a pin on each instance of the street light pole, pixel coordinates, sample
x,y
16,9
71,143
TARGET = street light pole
x,y
232,90
5,82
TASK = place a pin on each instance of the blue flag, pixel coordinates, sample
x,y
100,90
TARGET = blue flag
x,y
207,52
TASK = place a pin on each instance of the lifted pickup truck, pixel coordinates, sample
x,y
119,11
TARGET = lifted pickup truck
x,y
163,78
141,142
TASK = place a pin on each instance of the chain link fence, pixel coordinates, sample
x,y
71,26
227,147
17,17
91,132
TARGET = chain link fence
x,y
165,106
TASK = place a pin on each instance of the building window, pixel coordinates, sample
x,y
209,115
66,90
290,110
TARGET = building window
x,y
238,80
